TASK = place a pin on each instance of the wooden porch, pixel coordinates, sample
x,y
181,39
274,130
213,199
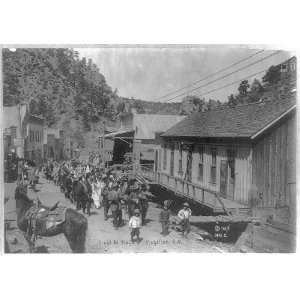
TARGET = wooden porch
x,y
194,192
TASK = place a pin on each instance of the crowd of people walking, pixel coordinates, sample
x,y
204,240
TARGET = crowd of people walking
x,y
88,186
120,193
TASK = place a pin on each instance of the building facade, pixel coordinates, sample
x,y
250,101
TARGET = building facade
x,y
137,136
34,139
55,144
235,159
14,129
23,133
70,148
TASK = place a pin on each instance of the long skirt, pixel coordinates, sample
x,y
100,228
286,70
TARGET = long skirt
x,y
97,199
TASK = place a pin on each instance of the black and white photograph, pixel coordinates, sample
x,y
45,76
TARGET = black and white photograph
x,y
149,148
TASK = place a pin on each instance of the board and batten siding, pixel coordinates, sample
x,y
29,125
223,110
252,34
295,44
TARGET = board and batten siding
x,y
274,167
243,169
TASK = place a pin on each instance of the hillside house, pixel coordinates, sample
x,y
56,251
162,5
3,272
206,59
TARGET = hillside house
x,y
238,158
70,147
14,129
54,144
34,138
23,132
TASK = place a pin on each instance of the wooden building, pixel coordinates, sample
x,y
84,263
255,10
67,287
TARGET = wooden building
x,y
34,138
54,144
137,135
106,146
237,158
14,125
69,147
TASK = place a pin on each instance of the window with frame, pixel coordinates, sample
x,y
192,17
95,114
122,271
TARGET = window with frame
x,y
180,160
200,164
165,158
231,162
283,68
13,131
213,168
172,161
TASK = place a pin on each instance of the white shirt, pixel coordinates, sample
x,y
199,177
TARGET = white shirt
x,y
135,222
184,214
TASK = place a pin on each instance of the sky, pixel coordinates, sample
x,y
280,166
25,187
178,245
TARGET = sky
x,y
149,73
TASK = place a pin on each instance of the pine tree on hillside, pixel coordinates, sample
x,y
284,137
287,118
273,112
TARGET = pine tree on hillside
x,y
57,82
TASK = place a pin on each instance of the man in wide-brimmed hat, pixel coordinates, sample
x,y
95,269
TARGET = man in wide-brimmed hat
x,y
115,205
184,216
133,199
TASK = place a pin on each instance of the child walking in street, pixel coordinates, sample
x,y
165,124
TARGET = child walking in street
x,y
184,216
164,218
135,223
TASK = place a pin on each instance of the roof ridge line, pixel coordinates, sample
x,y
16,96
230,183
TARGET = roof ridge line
x,y
242,105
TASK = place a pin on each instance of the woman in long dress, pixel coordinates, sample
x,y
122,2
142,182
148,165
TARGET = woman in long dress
x,y
96,194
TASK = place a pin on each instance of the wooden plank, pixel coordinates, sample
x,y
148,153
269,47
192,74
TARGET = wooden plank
x,y
286,163
271,168
265,165
270,143
260,170
277,165
255,160
259,183
220,218
250,166
282,163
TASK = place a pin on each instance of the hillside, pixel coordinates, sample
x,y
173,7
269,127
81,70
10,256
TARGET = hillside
x,y
71,93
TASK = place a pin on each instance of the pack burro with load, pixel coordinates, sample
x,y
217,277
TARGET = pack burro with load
x,y
43,220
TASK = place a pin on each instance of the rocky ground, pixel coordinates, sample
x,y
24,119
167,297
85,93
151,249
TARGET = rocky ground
x,y
101,236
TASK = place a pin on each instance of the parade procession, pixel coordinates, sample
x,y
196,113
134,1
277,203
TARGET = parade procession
x,y
120,196
90,169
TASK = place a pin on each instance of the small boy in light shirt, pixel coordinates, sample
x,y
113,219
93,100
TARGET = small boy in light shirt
x,y
184,216
135,223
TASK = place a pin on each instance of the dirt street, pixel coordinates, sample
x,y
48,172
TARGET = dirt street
x,y
101,236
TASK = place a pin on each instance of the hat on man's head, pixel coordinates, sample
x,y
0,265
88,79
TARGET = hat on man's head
x,y
136,211
186,204
166,203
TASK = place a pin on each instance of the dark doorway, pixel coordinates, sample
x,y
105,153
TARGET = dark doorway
x,y
172,161
189,165
223,178
156,160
